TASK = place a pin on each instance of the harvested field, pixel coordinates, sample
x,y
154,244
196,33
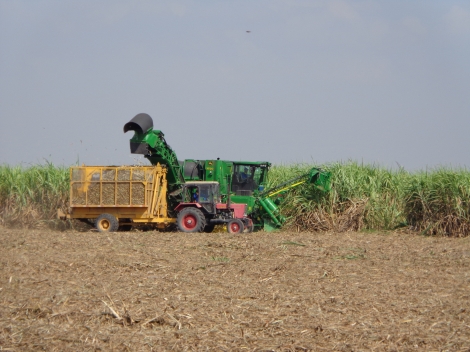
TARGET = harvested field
x,y
144,291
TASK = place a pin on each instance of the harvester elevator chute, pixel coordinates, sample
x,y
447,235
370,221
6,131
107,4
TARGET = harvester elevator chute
x,y
151,143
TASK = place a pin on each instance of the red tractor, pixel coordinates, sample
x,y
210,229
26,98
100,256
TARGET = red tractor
x,y
202,209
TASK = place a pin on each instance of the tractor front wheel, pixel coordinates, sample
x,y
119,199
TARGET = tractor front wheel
x,y
235,226
191,220
106,223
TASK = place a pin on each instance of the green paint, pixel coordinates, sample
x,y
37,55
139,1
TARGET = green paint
x,y
245,181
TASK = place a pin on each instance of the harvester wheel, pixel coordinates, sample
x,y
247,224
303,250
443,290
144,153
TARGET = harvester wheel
x,y
249,226
191,220
235,226
106,223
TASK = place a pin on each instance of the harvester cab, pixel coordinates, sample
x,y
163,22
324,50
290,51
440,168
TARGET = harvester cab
x,y
248,178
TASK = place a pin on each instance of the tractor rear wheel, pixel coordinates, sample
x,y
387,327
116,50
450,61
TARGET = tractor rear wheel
x,y
191,220
107,223
235,226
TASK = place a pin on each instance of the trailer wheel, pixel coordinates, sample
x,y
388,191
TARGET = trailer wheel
x,y
191,220
235,226
106,223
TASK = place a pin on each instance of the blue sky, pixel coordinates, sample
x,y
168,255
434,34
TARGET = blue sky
x,y
313,81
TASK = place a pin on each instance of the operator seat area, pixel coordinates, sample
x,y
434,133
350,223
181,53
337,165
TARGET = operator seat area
x,y
243,182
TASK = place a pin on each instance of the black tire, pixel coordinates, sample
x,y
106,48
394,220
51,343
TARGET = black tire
x,y
106,223
191,220
209,228
125,227
249,226
235,226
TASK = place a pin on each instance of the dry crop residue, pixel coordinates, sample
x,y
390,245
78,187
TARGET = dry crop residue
x,y
144,291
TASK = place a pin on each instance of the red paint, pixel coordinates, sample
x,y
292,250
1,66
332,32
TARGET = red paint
x,y
238,209
189,222
234,227
185,205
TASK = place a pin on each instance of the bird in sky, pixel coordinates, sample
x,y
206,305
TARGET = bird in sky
x,y
248,31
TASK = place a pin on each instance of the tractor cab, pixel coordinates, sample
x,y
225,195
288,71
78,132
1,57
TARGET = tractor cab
x,y
205,194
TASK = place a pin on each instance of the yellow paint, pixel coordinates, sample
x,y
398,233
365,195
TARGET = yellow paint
x,y
286,188
154,209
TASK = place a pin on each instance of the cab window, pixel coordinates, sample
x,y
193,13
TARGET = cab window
x,y
205,194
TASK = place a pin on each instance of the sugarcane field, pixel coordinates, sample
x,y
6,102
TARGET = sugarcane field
x,y
215,255
374,260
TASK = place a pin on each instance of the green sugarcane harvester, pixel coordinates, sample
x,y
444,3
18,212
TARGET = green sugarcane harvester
x,y
239,182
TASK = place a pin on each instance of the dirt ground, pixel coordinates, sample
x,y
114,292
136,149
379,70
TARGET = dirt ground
x,y
151,291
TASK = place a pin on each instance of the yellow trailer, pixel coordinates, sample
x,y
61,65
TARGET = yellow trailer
x,y
118,196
